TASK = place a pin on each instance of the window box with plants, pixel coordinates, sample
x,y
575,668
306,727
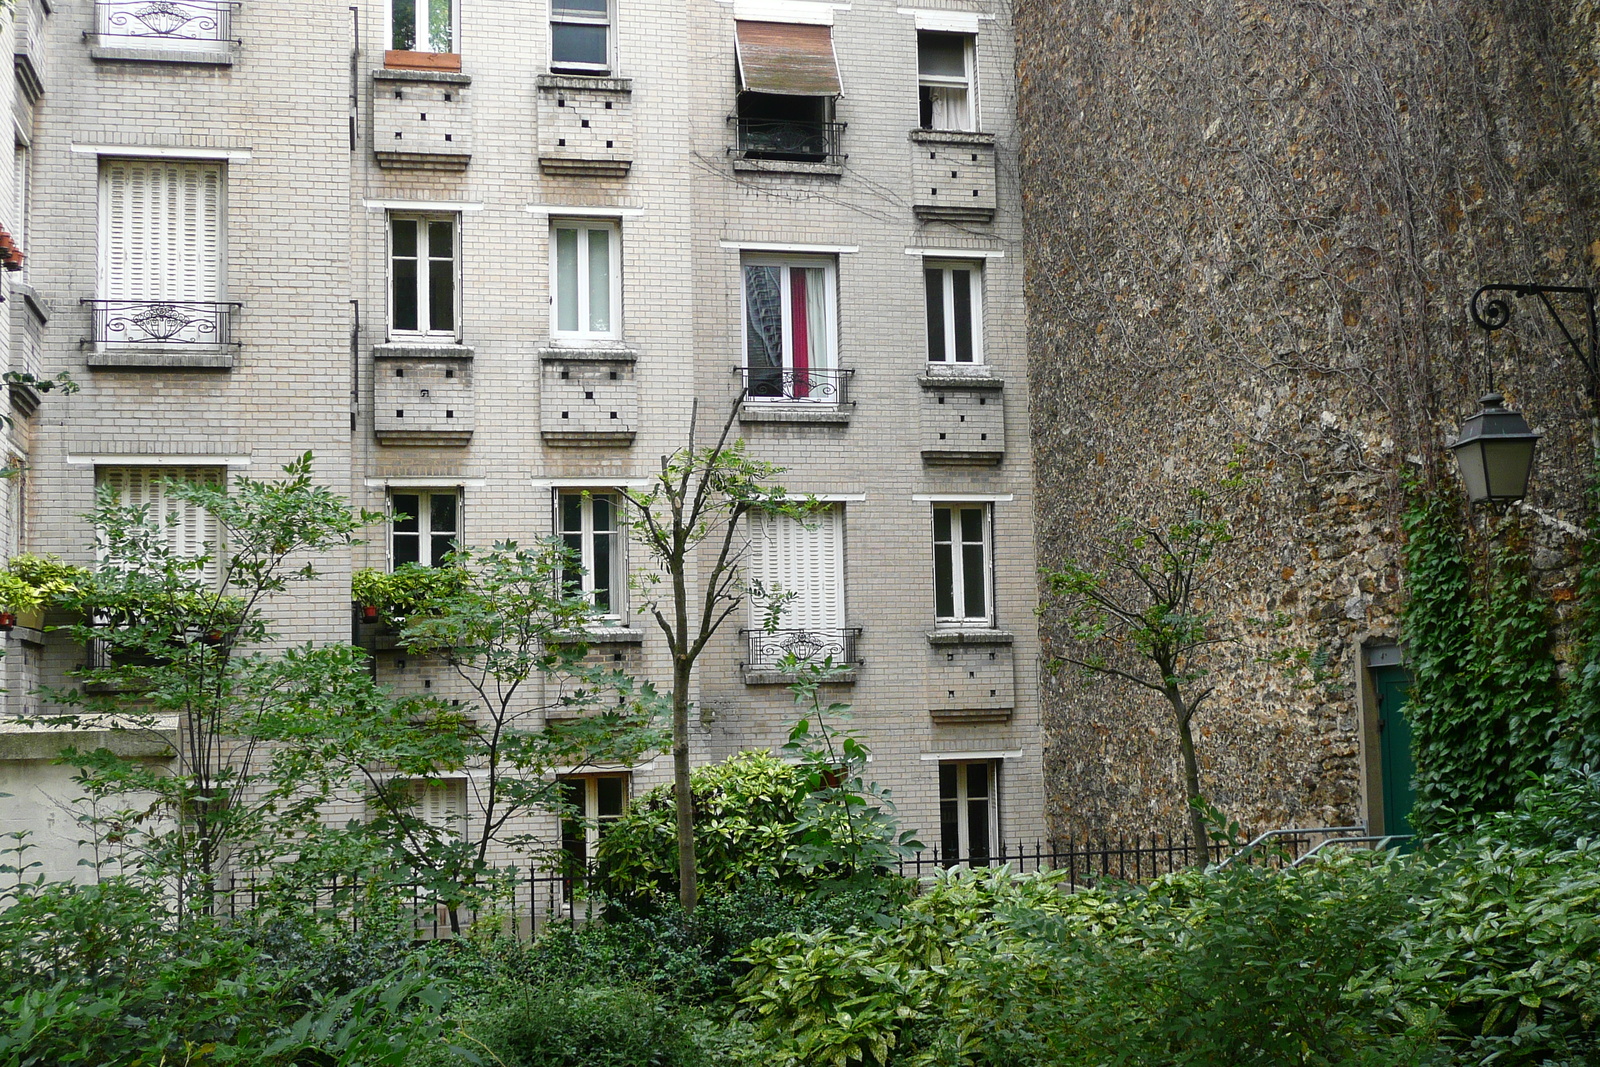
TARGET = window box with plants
x,y
32,585
390,598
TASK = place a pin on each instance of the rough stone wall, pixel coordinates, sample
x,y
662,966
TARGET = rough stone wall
x,y
1253,229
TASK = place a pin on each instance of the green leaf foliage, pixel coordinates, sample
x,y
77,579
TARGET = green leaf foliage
x,y
1485,704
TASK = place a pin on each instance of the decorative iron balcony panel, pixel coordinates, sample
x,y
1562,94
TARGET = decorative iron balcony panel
x,y
769,648
796,142
162,322
824,387
170,23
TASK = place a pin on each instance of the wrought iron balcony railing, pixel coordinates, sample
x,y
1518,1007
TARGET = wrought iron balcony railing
x,y
169,23
795,142
828,387
162,322
769,649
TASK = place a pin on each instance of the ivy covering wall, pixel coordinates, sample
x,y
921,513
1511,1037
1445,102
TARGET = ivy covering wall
x,y
1488,707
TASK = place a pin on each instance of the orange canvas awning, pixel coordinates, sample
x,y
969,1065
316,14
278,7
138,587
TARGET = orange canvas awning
x,y
787,58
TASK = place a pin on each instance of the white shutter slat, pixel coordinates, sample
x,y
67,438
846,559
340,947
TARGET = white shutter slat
x,y
193,531
805,559
162,230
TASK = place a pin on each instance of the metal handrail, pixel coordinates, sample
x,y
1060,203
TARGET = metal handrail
x,y
192,22
1381,840
1287,831
818,385
162,322
814,142
768,648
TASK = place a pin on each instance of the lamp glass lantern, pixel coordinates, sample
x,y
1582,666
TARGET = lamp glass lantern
x,y
1495,450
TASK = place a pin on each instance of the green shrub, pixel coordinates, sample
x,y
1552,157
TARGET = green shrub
x,y
571,1026
745,811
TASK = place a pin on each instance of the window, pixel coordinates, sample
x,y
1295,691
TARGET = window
x,y
961,565
789,80
589,530
593,802
422,277
796,572
789,316
580,35
422,26
968,817
161,252
944,72
955,311
425,526
587,290
441,804
191,531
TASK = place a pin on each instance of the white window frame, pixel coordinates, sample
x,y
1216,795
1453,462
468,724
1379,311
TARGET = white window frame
x,y
958,565
830,285
947,269
455,30
962,800
586,534
578,18
936,81
591,818
424,532
196,528
218,254
423,333
584,294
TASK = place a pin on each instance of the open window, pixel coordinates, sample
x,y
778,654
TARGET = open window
x,y
790,318
945,64
789,81
422,35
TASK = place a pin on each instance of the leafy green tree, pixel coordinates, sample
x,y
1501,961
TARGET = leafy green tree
x,y
1142,613
184,660
513,637
688,523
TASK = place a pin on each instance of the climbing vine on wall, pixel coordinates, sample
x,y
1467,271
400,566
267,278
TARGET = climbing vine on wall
x,y
1486,704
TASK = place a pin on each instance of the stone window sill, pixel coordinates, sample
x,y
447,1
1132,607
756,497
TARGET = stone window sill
x,y
418,350
943,638
134,53
158,357
844,677
815,415
784,166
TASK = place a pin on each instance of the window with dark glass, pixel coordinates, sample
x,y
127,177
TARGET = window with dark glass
x,y
580,35
592,802
424,526
961,564
422,276
967,815
944,71
954,312
589,531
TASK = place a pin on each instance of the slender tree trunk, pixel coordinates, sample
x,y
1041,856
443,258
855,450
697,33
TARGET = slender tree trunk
x,y
1191,776
688,883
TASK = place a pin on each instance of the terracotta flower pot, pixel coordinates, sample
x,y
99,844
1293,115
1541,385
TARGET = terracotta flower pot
x,y
8,621
369,612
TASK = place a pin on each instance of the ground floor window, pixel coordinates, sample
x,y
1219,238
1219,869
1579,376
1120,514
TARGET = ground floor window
x,y
968,816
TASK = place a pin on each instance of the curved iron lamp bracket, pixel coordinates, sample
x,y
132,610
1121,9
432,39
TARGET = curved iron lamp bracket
x,y
1491,310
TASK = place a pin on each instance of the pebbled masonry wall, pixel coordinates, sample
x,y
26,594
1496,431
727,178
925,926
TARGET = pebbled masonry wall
x,y
1253,226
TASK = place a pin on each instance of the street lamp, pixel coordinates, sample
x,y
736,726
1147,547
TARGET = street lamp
x,y
1495,450
1495,446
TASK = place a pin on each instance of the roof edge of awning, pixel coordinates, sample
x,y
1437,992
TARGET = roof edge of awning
x,y
787,58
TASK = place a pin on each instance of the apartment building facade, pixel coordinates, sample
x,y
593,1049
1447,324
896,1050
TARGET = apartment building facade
x,y
486,260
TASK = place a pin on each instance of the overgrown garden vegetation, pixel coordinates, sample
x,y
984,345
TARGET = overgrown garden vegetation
x,y
804,946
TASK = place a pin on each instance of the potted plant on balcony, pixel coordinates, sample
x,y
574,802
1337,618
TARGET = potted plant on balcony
x,y
49,582
407,591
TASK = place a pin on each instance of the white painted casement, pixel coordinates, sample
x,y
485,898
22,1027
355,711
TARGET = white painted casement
x,y
969,812
790,328
424,526
161,229
593,802
801,560
424,277
580,36
590,527
191,531
422,26
955,310
961,564
945,65
586,280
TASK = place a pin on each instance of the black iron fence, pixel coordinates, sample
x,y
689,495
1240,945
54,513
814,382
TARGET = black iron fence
x,y
790,141
766,650
816,385
162,322
522,900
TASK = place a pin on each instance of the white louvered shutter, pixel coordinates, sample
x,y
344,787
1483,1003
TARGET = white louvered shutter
x,y
161,229
441,804
805,558
195,531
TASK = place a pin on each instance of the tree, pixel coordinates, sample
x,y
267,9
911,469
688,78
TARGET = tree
x,y
504,620
181,657
1142,615
690,514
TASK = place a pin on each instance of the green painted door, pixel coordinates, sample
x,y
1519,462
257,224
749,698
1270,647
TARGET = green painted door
x,y
1394,747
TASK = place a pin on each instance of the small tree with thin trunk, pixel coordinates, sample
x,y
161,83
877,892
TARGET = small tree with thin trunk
x,y
688,520
1142,615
